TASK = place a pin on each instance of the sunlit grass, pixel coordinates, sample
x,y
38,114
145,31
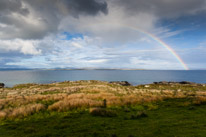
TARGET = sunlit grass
x,y
65,96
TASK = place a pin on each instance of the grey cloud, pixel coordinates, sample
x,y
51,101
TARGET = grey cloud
x,y
9,6
87,7
19,19
70,7
35,19
141,14
11,57
162,8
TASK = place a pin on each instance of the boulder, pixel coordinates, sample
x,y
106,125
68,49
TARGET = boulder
x,y
2,85
186,82
123,83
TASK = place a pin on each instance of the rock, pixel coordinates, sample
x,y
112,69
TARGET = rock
x,y
123,83
2,85
186,82
173,83
161,82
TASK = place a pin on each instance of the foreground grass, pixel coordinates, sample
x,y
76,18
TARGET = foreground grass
x,y
96,108
169,119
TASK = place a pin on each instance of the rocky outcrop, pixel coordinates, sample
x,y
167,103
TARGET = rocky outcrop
x,y
2,85
186,82
123,83
172,83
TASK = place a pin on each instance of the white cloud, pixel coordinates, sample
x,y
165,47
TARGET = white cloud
x,y
154,63
116,27
27,47
89,52
97,61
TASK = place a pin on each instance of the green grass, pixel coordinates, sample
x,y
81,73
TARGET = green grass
x,y
168,118
174,87
21,86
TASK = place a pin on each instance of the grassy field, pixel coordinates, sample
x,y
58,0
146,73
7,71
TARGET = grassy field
x,y
96,108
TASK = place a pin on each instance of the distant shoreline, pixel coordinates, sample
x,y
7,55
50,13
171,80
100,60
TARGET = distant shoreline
x,y
123,83
28,69
1,69
135,77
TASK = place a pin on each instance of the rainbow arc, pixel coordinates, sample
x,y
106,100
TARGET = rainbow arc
x,y
162,43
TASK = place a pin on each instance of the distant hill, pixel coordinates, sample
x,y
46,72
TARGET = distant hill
x,y
69,68
5,69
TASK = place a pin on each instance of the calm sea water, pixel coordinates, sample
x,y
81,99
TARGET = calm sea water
x,y
135,77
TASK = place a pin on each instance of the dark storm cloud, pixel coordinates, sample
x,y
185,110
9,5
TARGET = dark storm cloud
x,y
71,7
162,8
35,19
19,19
87,7
8,6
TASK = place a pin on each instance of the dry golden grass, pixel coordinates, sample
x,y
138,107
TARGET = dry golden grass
x,y
66,104
26,110
3,114
23,100
200,100
17,101
21,111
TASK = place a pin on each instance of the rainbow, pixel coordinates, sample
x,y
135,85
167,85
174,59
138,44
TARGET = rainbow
x,y
163,44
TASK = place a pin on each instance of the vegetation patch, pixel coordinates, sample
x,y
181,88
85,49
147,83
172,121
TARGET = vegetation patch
x,y
96,108
103,112
141,114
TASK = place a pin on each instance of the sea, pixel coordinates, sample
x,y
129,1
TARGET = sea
x,y
135,77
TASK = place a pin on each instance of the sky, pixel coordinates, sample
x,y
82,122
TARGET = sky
x,y
129,34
